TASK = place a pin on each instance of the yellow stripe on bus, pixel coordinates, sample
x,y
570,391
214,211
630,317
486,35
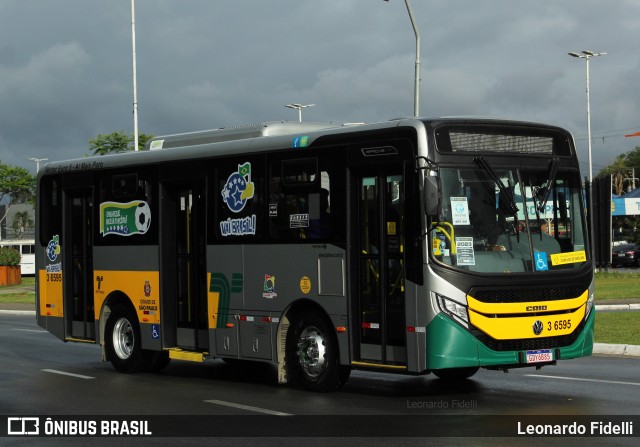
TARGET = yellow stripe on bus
x,y
526,307
512,328
50,294
143,288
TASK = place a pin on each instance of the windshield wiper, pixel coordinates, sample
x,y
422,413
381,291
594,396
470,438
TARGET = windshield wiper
x,y
538,209
544,191
507,201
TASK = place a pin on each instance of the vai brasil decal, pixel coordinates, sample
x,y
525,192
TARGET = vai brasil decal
x,y
53,251
125,219
236,193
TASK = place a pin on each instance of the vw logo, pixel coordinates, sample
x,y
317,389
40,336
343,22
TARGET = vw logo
x,y
537,327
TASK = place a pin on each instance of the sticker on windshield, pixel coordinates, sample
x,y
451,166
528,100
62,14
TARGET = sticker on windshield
x,y
541,260
569,258
460,211
464,251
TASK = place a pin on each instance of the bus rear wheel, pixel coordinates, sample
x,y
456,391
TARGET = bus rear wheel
x,y
123,342
312,354
455,374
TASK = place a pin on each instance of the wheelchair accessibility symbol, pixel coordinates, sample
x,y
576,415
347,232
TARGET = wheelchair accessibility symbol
x,y
155,331
541,260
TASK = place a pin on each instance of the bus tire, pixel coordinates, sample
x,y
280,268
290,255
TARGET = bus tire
x,y
455,374
312,354
122,341
156,361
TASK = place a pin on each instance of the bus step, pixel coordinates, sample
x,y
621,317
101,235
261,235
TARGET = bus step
x,y
190,356
377,365
80,340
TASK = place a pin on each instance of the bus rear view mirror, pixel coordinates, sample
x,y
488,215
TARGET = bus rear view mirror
x,y
431,196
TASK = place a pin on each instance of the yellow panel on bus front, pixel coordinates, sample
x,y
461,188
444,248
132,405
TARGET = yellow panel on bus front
x,y
532,306
142,288
513,328
50,293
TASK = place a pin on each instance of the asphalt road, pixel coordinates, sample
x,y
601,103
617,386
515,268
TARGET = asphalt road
x,y
40,375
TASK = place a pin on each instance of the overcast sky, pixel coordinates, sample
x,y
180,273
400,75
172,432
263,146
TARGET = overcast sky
x,y
66,66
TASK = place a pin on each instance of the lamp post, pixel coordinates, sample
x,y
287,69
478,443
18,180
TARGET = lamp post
x,y
135,82
586,55
416,88
299,108
38,160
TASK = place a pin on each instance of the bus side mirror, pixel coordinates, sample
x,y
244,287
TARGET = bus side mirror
x,y
431,196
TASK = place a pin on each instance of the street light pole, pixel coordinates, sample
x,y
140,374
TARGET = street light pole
x,y
135,82
416,88
38,160
299,108
586,55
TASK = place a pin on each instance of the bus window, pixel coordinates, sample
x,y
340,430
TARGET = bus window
x,y
300,200
50,206
128,207
124,186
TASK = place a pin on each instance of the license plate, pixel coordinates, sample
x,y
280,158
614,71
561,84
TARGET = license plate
x,y
540,356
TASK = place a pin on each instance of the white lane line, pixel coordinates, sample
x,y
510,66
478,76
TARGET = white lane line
x,y
40,331
247,407
583,380
62,373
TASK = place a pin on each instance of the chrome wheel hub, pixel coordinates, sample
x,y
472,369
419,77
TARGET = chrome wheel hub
x,y
311,351
123,339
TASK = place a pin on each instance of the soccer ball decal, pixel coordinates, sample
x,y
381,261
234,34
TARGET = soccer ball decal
x,y
143,217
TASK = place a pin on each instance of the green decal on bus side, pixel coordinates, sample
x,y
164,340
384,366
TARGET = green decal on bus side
x,y
220,284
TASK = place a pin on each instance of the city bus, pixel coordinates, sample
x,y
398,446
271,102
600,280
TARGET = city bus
x,y
26,248
412,246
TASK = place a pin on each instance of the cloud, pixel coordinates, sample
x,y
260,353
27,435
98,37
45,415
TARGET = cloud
x,y
42,95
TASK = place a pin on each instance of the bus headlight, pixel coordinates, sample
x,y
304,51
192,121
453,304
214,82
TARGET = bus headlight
x,y
590,303
455,310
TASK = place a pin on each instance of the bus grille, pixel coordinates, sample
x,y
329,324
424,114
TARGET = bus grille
x,y
515,295
528,343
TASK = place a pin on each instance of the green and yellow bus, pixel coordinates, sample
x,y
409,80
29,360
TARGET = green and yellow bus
x,y
410,246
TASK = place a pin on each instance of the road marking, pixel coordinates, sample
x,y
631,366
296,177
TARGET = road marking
x,y
31,330
247,407
54,371
582,380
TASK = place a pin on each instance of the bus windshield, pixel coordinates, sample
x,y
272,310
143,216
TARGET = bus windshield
x,y
504,220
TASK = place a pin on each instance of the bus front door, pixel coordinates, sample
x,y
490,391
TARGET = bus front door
x,y
380,309
78,264
185,273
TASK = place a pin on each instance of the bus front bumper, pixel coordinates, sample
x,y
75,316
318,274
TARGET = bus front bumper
x,y
450,345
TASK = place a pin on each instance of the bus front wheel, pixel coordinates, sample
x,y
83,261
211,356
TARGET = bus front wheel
x,y
312,354
122,341
454,374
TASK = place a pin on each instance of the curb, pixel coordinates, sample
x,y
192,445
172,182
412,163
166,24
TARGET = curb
x,y
617,307
18,312
615,349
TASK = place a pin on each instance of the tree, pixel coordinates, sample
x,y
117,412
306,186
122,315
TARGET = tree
x,y
17,184
622,168
142,140
619,171
21,222
116,142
